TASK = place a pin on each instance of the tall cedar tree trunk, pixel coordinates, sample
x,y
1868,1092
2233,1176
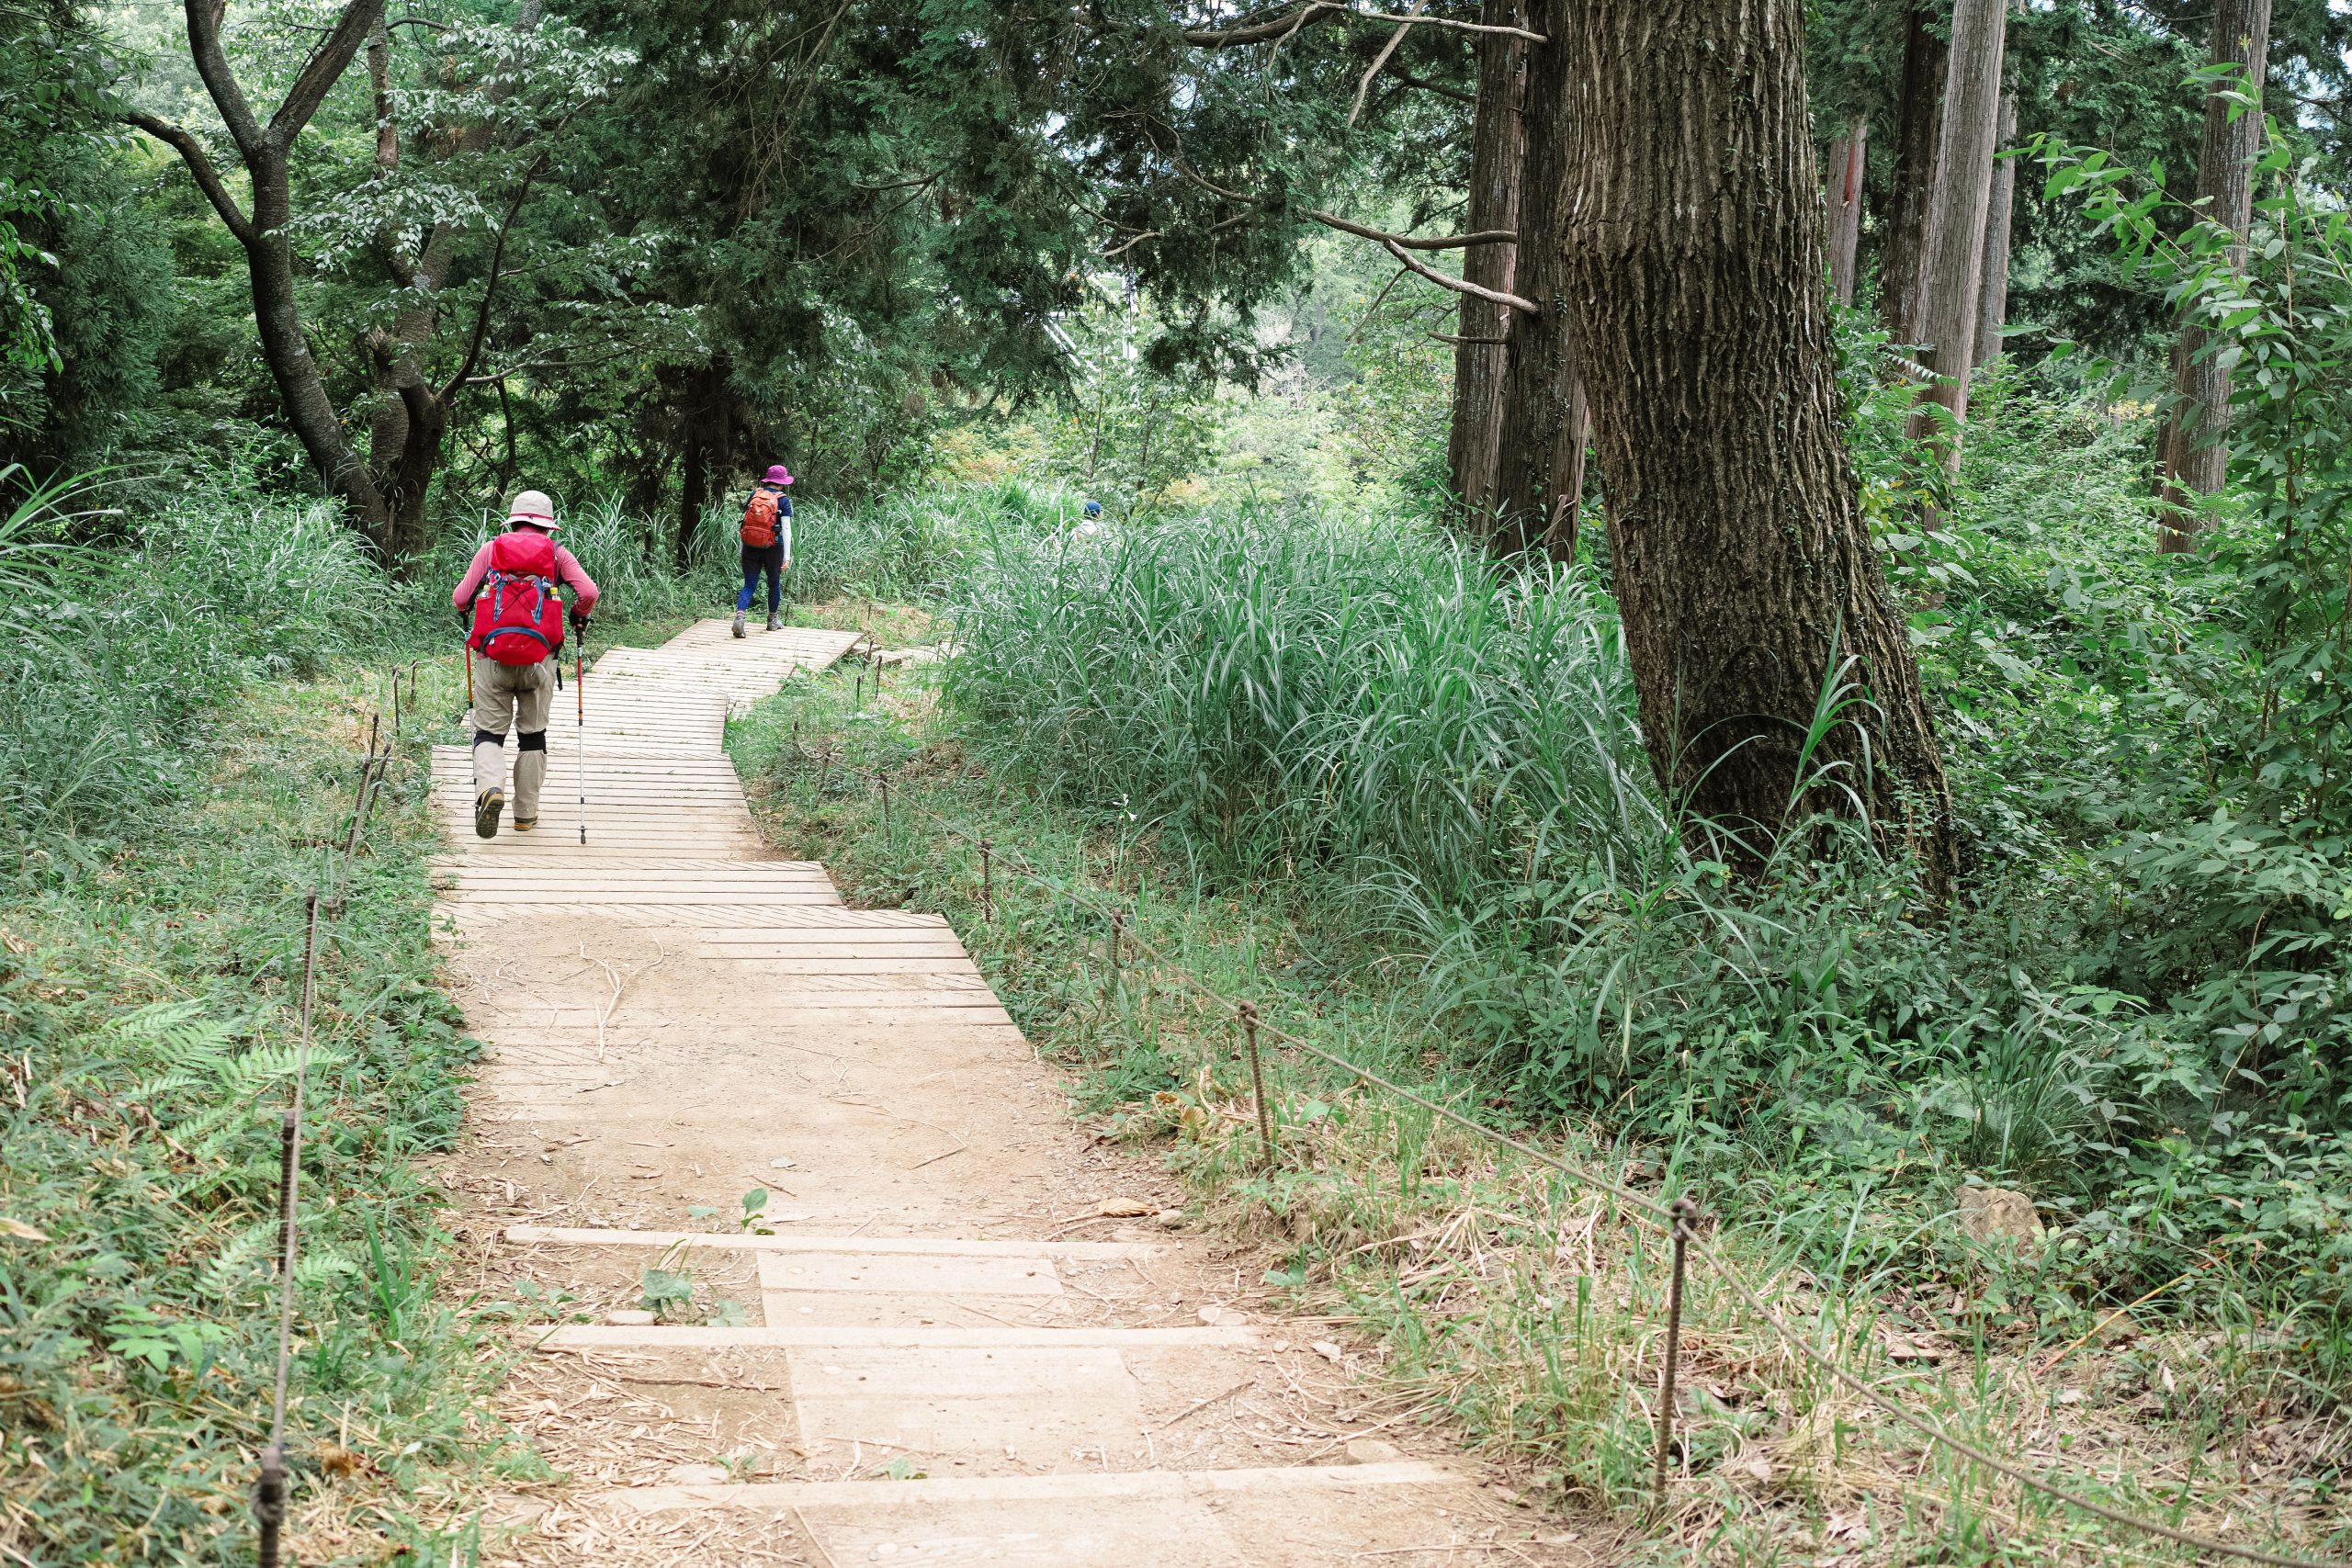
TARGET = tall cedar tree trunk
x,y
1842,174
1993,295
265,151
1920,123
1744,569
2194,446
1472,449
1951,272
1540,466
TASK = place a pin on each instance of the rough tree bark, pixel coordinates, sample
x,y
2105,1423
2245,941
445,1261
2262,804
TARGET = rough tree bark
x,y
409,422
2194,446
1539,472
1842,190
1744,569
1919,121
1951,271
1993,295
1472,447
266,151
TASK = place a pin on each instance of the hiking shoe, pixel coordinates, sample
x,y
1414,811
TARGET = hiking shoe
x,y
738,622
487,805
524,824
775,623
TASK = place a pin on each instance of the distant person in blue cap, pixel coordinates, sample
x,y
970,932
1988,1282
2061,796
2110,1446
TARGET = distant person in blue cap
x,y
1092,513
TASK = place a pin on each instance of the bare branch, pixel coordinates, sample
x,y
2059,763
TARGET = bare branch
x,y
1456,94
1448,22
1458,285
1125,245
417,22
200,166
1281,26
321,71
490,284
1355,110
1449,243
1451,337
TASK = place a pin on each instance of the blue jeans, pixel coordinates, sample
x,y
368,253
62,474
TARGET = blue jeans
x,y
755,561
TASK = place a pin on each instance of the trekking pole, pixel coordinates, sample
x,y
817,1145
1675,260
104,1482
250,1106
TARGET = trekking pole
x,y
580,691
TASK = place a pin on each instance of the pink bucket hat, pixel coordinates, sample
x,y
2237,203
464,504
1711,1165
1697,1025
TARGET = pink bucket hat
x,y
779,475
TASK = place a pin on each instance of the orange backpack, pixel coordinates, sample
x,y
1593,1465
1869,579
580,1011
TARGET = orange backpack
x,y
759,518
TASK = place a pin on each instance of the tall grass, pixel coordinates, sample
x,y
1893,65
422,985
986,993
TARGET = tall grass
x,y
123,628
1371,695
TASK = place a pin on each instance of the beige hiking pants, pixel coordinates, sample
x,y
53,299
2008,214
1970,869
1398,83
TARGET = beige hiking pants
x,y
516,697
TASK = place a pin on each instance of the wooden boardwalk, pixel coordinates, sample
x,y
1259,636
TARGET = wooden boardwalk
x,y
898,1360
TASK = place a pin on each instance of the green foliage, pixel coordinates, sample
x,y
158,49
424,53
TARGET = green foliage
x,y
131,617
1292,690
151,930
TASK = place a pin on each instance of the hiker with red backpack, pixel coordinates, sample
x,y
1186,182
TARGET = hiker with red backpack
x,y
509,603
767,545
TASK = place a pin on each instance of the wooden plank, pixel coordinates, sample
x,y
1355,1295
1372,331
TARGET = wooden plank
x,y
613,1336
1079,1486
878,1245
906,1274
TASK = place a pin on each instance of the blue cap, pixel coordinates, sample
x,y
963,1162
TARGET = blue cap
x,y
1094,509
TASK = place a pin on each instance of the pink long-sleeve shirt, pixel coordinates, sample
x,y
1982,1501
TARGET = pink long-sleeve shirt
x,y
566,570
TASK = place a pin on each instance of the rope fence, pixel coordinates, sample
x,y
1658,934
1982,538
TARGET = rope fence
x,y
1679,1220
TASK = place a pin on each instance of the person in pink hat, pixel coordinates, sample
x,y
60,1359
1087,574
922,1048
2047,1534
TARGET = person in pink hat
x,y
508,602
767,545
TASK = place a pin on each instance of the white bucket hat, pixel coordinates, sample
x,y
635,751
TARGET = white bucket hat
x,y
532,507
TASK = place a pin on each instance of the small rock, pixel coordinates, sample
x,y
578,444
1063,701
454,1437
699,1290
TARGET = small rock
x,y
1214,1315
2000,1215
630,1317
782,1162
1373,1450
1326,1349
696,1475
1171,1218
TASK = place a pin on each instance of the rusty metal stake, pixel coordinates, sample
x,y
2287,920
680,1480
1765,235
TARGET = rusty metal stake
x,y
1249,1012
1684,1211
269,1501
285,1188
1111,985
987,893
884,780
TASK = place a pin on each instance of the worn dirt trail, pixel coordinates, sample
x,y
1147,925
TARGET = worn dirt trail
x,y
933,1347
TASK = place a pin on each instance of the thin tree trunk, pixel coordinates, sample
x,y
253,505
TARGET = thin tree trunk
x,y
1920,123
2195,448
692,494
1743,566
1496,147
1993,295
1540,462
1951,273
1843,191
265,149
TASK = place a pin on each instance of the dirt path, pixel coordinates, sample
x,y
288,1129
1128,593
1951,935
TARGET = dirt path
x,y
931,1345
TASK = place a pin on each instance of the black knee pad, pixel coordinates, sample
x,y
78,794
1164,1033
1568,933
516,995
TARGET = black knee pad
x,y
489,738
531,740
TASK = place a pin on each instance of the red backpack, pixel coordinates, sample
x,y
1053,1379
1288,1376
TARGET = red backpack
x,y
759,518
518,617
